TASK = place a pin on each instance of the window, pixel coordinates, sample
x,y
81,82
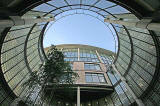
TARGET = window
x,y
106,59
92,67
95,78
70,54
88,55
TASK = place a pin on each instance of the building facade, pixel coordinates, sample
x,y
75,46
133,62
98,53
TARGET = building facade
x,y
91,65
88,61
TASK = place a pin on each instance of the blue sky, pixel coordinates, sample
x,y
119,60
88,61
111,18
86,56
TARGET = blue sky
x,y
80,29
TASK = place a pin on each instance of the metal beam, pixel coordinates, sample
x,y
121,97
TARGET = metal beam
x,y
43,56
25,49
144,23
17,20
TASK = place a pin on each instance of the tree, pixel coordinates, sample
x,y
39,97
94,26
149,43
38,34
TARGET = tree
x,y
55,75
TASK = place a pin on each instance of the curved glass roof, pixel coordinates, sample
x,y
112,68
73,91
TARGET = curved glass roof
x,y
97,9
137,57
101,7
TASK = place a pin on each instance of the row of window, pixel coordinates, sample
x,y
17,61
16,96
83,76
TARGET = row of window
x,y
70,52
89,77
85,59
85,55
95,78
70,59
88,53
89,66
106,59
92,67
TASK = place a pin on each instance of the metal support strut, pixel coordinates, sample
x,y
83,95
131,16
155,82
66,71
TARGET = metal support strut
x,y
144,23
17,20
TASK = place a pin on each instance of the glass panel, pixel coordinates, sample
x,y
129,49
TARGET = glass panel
x,y
89,55
95,78
102,79
88,78
71,54
44,8
92,66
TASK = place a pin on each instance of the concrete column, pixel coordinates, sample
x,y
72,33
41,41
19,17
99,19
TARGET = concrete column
x,y
16,21
78,54
78,96
99,57
144,23
138,101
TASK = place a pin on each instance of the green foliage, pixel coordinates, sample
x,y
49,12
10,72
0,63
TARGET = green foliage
x,y
33,80
54,73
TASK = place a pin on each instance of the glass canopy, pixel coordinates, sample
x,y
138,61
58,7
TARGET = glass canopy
x,y
137,56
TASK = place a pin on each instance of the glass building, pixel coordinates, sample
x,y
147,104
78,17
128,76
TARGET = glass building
x,y
133,71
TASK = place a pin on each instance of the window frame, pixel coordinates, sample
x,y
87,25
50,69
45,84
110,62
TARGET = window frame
x,y
93,65
92,75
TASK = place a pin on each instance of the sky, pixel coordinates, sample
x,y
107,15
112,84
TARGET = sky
x,y
80,29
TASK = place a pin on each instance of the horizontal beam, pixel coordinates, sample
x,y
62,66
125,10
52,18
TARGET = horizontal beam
x,y
144,23
16,21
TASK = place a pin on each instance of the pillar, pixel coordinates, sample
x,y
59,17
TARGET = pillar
x,y
78,55
78,96
99,57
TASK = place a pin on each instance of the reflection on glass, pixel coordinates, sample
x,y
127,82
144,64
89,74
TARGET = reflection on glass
x,y
95,78
91,67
